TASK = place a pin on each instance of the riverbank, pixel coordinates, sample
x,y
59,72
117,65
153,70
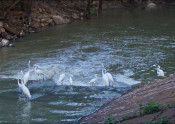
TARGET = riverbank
x,y
45,13
127,108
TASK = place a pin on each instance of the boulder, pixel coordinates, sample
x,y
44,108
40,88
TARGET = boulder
x,y
49,21
40,10
2,30
151,5
35,25
58,19
22,34
36,19
5,42
75,16
52,12
1,24
42,20
82,14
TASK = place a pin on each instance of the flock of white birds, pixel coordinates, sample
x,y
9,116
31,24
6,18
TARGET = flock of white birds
x,y
106,76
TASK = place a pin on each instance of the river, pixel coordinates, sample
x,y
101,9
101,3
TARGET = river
x,y
128,42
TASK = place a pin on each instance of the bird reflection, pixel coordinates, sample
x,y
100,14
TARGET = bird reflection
x,y
26,112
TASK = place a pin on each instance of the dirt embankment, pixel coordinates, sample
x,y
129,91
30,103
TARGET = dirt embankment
x,y
162,91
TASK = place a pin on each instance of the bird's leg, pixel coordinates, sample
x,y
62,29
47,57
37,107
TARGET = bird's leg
x,y
22,92
26,98
43,77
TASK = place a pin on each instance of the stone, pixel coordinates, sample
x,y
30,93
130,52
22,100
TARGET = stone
x,y
36,19
2,30
42,24
82,14
49,21
40,10
1,24
35,25
42,20
5,42
75,16
58,19
11,45
22,34
52,12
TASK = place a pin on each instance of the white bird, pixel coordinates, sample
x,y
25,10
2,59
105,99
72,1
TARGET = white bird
x,y
70,80
92,81
110,78
61,78
19,82
160,72
24,89
105,77
27,74
38,71
20,85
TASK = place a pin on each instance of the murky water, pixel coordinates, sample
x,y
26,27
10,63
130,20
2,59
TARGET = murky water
x,y
127,42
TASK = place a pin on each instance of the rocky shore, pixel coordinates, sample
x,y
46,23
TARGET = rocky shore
x,y
128,108
45,13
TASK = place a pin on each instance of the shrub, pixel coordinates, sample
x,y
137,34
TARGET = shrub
x,y
161,121
152,107
109,120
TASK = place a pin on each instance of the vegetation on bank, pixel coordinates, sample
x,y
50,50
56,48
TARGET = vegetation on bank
x,y
150,108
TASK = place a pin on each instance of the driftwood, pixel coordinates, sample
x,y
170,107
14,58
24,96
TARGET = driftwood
x,y
11,30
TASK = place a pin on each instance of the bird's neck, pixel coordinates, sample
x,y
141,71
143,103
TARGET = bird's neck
x,y
102,72
96,77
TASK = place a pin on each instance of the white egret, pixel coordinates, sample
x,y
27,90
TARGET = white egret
x,y
160,72
92,81
20,85
61,78
110,78
70,80
27,74
105,77
19,82
24,88
38,71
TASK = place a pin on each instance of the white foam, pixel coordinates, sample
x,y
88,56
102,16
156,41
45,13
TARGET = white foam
x,y
125,78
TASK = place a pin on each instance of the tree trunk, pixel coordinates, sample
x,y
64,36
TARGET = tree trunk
x,y
29,6
100,7
88,9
